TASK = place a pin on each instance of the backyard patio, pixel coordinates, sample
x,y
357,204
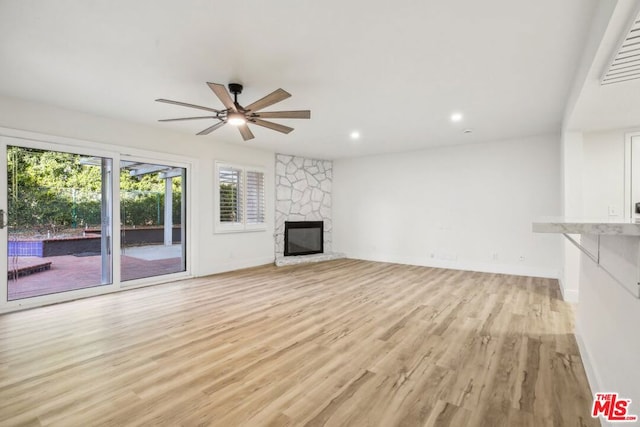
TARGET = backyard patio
x,y
70,272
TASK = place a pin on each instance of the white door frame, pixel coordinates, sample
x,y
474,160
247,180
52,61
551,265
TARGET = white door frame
x,y
89,148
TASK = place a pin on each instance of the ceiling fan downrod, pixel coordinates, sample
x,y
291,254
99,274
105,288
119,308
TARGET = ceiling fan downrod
x,y
235,89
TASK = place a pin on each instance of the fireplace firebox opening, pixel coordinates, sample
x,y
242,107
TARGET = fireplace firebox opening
x,y
303,237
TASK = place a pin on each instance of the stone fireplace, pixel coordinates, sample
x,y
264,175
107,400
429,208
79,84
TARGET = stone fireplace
x,y
303,193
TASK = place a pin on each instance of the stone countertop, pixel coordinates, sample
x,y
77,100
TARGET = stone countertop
x,y
611,226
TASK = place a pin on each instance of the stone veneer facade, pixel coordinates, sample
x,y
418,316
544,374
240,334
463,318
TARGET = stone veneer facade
x,y
303,193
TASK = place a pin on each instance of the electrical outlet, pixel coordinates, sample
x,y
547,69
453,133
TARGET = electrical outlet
x,y
613,211
521,258
494,256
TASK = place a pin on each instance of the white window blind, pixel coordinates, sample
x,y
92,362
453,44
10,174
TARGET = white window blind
x,y
255,197
241,198
230,182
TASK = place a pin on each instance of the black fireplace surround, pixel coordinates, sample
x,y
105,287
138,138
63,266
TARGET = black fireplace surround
x,y
303,237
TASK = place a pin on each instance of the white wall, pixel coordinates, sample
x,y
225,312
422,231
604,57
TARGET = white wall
x,y
572,206
593,182
603,173
466,206
213,252
607,319
606,314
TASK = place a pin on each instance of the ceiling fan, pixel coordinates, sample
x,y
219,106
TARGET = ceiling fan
x,y
237,115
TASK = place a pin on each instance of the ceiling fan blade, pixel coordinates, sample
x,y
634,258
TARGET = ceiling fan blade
x,y
188,118
245,132
275,96
271,125
184,104
210,129
223,94
301,114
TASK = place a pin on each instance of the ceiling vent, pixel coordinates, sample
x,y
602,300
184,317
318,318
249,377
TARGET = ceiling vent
x,y
625,65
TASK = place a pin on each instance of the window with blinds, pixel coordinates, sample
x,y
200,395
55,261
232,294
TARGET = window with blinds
x,y
255,197
230,201
240,204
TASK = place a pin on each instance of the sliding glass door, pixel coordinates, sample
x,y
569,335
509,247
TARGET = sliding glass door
x,y
58,224
152,218
57,232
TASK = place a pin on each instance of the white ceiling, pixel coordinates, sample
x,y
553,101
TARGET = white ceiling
x,y
614,106
395,71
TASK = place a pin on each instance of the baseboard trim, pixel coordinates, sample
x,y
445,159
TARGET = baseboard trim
x,y
592,373
232,265
515,270
568,295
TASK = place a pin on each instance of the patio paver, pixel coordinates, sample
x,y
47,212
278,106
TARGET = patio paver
x,y
70,272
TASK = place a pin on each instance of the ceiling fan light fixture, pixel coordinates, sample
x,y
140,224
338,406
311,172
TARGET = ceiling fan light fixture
x,y
456,117
236,119
239,116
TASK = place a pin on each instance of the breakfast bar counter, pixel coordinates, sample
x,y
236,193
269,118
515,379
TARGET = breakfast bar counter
x,y
612,244
614,226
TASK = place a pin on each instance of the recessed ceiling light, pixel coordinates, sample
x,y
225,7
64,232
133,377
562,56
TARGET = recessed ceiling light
x,y
456,117
355,135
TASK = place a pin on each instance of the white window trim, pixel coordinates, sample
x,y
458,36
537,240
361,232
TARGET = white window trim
x,y
236,227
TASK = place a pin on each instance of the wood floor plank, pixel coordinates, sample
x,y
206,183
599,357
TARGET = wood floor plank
x,y
344,342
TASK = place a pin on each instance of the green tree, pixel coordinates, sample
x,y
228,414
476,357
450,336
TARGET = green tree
x,y
49,189
228,203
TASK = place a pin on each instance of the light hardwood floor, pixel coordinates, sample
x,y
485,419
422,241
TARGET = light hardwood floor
x,y
338,343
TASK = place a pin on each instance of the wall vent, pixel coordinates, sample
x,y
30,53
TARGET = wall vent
x,y
625,65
